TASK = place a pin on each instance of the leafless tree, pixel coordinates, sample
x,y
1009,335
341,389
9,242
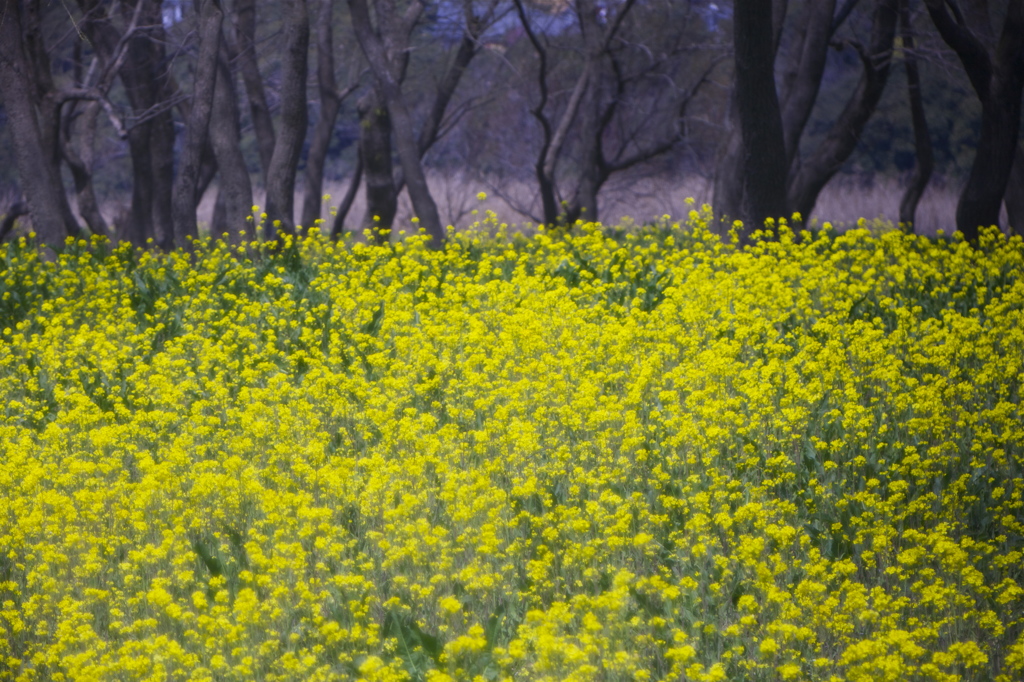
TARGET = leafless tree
x,y
996,71
234,196
592,127
197,128
242,48
387,76
293,122
331,99
814,29
809,175
924,159
33,108
389,43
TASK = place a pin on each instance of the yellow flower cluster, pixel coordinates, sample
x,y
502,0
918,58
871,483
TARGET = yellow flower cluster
x,y
636,454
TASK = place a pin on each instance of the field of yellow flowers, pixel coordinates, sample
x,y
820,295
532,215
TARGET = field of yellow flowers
x,y
612,455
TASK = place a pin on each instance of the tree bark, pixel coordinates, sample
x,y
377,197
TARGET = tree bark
x,y
184,206
814,173
375,157
79,155
293,123
48,205
584,204
234,195
924,161
727,188
764,156
244,49
330,104
1014,196
801,91
405,138
998,80
151,133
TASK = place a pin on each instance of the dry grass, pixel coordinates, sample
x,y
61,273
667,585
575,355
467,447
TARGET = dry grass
x,y
842,202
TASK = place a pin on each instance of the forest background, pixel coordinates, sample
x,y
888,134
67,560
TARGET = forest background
x,y
164,119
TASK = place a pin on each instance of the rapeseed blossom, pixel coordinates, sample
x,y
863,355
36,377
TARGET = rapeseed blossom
x,y
621,455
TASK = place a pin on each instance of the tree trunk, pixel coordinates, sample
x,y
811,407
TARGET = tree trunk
x,y
104,38
330,104
801,89
764,156
151,133
51,214
162,131
1014,196
234,196
293,123
245,51
727,190
445,90
184,206
993,162
998,80
584,203
924,162
375,156
405,138
447,86
79,156
545,185
814,172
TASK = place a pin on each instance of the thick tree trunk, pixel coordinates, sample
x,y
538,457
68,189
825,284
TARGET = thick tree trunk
x,y
815,171
51,214
330,104
162,156
162,133
151,133
184,206
293,123
1000,124
245,48
727,189
924,162
800,88
764,157
234,196
1014,196
375,156
584,204
998,80
140,214
405,137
